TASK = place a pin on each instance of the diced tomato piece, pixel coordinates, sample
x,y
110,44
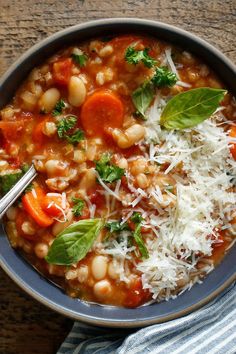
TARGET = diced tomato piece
x,y
52,206
62,71
136,295
97,198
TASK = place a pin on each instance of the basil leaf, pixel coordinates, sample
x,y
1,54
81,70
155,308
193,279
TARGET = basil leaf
x,y
190,108
142,97
140,243
73,243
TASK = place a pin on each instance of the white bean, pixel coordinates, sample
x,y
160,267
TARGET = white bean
x,y
82,274
99,267
129,137
49,99
50,128
112,272
142,181
106,51
28,228
77,91
102,289
41,250
71,274
11,213
55,168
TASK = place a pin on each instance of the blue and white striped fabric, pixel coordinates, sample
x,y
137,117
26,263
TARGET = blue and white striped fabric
x,y
210,330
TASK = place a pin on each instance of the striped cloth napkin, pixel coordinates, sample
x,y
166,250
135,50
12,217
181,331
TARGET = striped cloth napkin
x,y
210,330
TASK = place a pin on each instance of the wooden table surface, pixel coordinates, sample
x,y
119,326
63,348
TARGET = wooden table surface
x,y
27,327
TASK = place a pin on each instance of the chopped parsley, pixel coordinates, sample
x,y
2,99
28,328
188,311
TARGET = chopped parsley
x,y
78,206
164,77
143,95
60,105
79,59
65,125
133,56
76,137
109,173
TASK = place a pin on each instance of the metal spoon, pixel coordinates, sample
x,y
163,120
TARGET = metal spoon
x,y
17,190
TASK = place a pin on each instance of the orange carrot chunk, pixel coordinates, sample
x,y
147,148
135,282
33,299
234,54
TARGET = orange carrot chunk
x,y
32,203
101,111
232,134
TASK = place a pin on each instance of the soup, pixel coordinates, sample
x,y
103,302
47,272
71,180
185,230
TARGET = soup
x,y
134,143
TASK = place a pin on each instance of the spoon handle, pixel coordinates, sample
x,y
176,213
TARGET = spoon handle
x,y
16,190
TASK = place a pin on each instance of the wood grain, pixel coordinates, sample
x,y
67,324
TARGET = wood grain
x,y
27,327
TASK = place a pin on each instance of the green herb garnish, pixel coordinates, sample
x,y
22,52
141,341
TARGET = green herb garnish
x,y
133,56
76,137
74,242
79,59
143,95
7,181
164,77
65,124
108,173
142,98
140,243
116,226
190,108
60,105
136,217
78,206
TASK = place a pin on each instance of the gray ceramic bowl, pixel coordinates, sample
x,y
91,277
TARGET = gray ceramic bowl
x,y
37,286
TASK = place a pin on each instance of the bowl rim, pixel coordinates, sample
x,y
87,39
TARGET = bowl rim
x,y
92,319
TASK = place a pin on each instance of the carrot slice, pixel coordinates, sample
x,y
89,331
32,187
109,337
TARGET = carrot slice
x,y
232,134
32,203
62,71
101,111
